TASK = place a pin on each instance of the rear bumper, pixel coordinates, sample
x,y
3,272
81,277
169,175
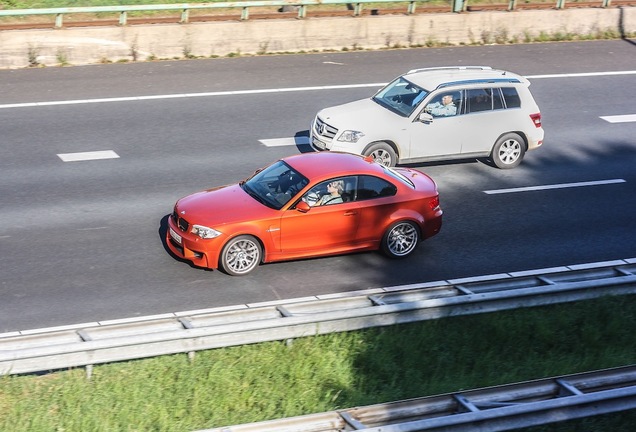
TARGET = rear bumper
x,y
433,225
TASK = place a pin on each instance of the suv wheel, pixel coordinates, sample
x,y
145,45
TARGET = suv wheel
x,y
382,153
508,151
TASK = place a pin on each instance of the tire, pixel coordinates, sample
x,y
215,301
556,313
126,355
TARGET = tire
x,y
240,255
382,153
508,151
400,239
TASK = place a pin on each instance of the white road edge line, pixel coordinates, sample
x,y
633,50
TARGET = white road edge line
x,y
554,186
262,91
187,95
86,156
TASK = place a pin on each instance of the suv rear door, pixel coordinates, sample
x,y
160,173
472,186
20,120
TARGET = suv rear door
x,y
486,118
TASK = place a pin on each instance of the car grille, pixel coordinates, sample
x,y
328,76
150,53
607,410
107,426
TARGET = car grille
x,y
323,129
181,222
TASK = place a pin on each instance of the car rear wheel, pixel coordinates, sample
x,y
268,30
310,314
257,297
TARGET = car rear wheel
x,y
382,153
508,151
240,255
400,239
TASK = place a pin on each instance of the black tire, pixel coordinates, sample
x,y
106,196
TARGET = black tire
x,y
240,255
401,239
508,151
382,153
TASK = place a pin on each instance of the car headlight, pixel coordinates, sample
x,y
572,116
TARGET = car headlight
x,y
350,136
204,232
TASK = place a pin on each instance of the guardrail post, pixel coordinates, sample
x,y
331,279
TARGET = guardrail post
x,y
458,5
58,20
245,14
185,16
411,8
607,3
302,11
560,4
123,18
512,5
357,10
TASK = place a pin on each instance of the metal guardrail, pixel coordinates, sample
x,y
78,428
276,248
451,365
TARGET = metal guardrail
x,y
187,332
492,409
244,6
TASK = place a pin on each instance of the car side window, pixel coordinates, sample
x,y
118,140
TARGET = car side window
x,y
373,187
445,104
334,191
479,100
511,97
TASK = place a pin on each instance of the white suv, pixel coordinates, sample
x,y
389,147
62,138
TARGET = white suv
x,y
437,114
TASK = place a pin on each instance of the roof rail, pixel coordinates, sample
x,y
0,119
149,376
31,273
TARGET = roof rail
x,y
441,68
479,81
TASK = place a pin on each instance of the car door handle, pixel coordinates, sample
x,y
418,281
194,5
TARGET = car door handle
x,y
350,213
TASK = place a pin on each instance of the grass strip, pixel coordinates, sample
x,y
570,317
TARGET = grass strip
x,y
274,380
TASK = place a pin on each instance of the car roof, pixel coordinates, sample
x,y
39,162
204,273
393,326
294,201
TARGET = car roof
x,y
440,77
331,164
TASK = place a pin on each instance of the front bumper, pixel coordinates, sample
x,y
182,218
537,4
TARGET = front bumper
x,y
200,252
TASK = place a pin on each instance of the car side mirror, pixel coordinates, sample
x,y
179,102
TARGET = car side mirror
x,y
425,117
303,207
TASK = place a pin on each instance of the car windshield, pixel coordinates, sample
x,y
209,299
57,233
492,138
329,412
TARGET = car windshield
x,y
400,96
275,185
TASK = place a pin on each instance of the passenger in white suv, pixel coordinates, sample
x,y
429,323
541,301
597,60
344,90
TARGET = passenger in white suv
x,y
437,114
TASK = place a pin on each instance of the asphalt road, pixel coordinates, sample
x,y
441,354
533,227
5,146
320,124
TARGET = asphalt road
x,y
81,241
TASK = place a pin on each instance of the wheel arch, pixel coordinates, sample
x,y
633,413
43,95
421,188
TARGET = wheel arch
x,y
251,233
523,136
391,143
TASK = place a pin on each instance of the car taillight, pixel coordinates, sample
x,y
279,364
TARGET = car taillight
x,y
434,203
536,119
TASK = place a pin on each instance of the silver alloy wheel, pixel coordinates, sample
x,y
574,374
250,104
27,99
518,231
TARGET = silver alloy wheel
x,y
508,151
241,255
382,157
401,239
382,153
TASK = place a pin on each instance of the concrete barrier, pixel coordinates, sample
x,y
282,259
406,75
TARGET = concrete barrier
x,y
89,45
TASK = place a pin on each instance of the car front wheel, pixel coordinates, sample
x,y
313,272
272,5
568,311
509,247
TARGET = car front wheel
x,y
508,151
240,255
382,153
400,239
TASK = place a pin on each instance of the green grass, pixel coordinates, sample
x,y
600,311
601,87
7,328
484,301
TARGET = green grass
x,y
274,380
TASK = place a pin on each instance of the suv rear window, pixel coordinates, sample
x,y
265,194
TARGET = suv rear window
x,y
511,97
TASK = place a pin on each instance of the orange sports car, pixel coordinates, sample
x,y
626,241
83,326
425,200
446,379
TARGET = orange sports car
x,y
306,205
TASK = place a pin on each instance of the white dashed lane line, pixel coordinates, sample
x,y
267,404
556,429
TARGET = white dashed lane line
x,y
626,118
279,142
86,156
554,186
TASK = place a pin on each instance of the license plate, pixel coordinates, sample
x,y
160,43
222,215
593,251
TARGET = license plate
x,y
176,237
319,144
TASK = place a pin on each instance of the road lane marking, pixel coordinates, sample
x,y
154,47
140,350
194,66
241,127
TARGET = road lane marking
x,y
187,95
626,118
554,186
291,141
582,74
86,156
264,91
